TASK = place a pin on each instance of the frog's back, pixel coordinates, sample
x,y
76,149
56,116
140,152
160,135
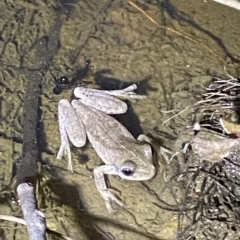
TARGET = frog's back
x,y
108,137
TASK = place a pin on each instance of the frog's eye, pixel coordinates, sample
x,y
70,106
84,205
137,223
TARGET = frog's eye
x,y
127,171
128,168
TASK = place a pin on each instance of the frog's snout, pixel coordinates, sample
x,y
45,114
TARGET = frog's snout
x,y
150,172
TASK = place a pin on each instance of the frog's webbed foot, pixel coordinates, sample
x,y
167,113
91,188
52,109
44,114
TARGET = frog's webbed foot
x,y
65,151
126,93
110,197
161,151
105,192
165,153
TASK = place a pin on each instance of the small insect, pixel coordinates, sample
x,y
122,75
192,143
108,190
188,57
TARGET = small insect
x,y
61,84
77,79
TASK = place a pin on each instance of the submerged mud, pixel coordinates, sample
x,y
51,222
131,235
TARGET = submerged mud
x,y
56,39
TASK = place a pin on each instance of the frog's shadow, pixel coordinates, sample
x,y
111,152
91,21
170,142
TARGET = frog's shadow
x,y
129,119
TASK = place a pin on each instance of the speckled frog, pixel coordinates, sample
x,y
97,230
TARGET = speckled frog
x,y
207,144
88,117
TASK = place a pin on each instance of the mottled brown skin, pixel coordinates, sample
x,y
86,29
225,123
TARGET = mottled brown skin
x,y
214,150
207,144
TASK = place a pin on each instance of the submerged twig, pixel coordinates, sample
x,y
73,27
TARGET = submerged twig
x,y
35,219
23,222
42,52
185,109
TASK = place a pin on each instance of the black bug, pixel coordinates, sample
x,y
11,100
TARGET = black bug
x,y
62,83
65,82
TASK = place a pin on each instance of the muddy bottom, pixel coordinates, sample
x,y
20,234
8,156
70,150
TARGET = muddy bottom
x,y
170,60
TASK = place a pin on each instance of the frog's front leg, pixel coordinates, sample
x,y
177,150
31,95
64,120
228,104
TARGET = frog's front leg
x,y
161,151
105,192
70,126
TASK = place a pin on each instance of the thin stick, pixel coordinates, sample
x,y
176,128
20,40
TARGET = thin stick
x,y
177,32
176,114
230,76
23,222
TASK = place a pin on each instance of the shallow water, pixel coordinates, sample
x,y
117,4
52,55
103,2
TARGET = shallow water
x,y
124,47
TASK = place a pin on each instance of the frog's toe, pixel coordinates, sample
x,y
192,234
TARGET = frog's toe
x,y
144,138
110,208
165,152
109,197
65,151
70,167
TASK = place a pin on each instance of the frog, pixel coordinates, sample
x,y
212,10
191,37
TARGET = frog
x,y
88,116
208,144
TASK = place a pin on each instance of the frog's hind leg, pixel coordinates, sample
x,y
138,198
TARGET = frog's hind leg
x,y
107,101
100,100
126,93
70,126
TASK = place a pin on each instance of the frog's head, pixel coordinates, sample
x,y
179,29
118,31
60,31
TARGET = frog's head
x,y
131,171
